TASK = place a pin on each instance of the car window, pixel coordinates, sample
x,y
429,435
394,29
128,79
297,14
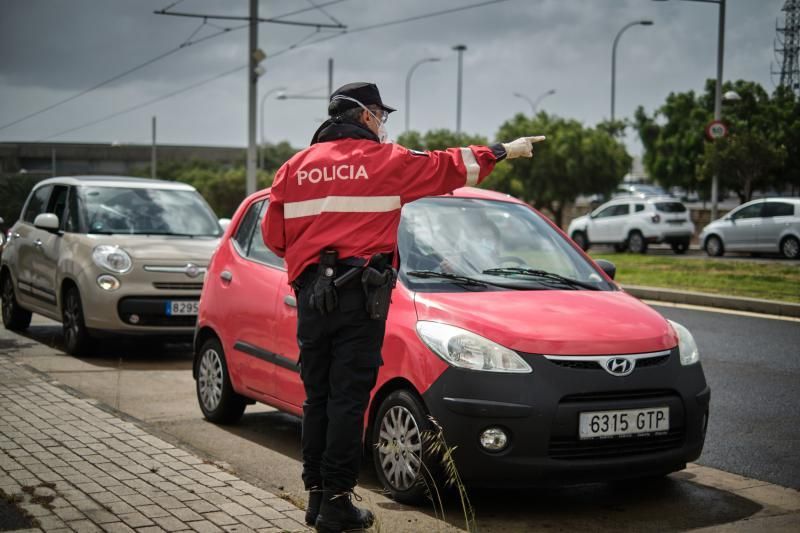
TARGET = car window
x,y
257,249
670,207
751,211
37,203
639,207
58,203
71,222
777,209
609,211
622,209
246,226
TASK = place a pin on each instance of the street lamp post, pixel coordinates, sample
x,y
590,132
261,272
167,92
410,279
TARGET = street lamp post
x,y
614,58
261,125
460,49
535,103
408,85
717,89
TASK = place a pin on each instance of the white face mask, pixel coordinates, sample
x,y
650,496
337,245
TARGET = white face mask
x,y
383,136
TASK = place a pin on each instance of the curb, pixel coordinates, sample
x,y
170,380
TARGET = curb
x,y
753,305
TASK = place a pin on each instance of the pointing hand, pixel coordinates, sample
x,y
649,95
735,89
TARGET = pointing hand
x,y
522,147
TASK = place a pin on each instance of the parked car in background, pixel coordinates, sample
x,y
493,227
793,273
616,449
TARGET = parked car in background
x,y
108,255
770,225
537,366
634,222
639,189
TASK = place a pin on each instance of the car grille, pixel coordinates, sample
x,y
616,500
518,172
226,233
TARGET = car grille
x,y
150,312
178,285
595,365
615,396
574,448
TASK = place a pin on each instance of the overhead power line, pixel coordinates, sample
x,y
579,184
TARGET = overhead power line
x,y
188,42
271,56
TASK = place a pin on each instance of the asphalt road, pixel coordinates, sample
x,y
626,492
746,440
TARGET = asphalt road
x,y
753,368
751,364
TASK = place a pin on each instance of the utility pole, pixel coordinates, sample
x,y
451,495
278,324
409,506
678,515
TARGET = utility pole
x,y
153,152
460,49
252,90
53,161
255,56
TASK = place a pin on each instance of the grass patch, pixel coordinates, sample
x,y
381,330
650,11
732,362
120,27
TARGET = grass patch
x,y
729,277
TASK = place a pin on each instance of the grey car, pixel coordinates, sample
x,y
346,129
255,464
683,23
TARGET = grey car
x,y
770,225
108,256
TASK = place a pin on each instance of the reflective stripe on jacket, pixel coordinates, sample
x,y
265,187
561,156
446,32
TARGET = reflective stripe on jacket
x,y
347,194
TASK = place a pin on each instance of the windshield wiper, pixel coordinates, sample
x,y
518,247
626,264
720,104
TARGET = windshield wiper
x,y
444,275
506,271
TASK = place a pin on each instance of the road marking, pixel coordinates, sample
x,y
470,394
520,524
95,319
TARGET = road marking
x,y
720,310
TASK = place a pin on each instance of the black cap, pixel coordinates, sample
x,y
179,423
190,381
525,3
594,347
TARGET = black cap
x,y
366,93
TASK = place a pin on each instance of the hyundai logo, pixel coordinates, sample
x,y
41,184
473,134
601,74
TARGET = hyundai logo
x,y
192,270
619,366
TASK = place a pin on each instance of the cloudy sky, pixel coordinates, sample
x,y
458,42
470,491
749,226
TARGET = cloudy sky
x,y
53,49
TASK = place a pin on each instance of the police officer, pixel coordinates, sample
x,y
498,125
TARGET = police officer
x,y
333,215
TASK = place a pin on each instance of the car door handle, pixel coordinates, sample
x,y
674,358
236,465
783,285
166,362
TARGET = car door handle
x,y
37,243
290,300
226,276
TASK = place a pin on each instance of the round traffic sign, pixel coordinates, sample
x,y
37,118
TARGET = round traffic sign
x,y
716,129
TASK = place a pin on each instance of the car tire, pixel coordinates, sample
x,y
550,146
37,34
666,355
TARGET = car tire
x,y
402,418
620,247
790,247
15,318
714,246
77,340
218,401
680,247
581,240
636,243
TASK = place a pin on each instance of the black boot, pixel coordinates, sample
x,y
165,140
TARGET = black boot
x,y
314,502
338,514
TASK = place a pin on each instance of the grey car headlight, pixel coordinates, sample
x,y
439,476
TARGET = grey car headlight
x,y
686,345
112,258
464,349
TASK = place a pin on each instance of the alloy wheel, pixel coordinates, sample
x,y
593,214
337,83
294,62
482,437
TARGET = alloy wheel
x,y
791,248
210,379
714,246
72,316
400,448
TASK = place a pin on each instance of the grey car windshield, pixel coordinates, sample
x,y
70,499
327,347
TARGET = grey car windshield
x,y
140,211
468,237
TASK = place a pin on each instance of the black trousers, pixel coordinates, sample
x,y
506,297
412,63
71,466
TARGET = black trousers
x,y
340,354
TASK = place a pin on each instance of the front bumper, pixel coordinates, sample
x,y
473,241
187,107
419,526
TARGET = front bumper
x,y
539,411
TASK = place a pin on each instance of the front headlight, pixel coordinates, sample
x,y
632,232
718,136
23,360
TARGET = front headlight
x,y
686,345
112,258
464,349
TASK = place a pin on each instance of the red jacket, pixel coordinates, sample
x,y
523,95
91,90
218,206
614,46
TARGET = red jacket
x,y
346,195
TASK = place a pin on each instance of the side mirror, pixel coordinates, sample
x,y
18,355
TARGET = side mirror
x,y
47,222
224,223
608,267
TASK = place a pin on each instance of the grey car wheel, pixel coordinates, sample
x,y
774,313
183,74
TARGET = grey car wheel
x,y
15,318
636,243
218,401
403,462
790,248
77,340
714,246
581,240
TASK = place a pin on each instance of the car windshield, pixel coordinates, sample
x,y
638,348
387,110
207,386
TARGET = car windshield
x,y
499,244
140,211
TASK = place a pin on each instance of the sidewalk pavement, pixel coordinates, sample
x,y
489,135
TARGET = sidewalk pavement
x,y
73,466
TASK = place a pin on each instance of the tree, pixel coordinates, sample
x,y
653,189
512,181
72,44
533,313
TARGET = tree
x,y
745,162
574,160
677,150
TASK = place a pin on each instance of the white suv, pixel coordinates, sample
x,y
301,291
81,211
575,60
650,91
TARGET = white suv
x,y
634,222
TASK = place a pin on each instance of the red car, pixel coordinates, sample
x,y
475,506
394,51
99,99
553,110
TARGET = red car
x,y
536,365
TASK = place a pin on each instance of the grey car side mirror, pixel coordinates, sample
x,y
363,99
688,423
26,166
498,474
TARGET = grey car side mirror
x,y
608,267
47,222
